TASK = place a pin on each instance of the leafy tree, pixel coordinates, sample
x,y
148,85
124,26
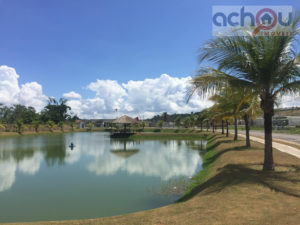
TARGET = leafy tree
x,y
165,117
74,118
56,111
5,113
266,65
16,112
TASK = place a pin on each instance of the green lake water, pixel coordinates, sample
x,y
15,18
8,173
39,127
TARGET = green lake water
x,y
42,178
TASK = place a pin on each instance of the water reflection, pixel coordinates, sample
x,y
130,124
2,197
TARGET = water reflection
x,y
99,154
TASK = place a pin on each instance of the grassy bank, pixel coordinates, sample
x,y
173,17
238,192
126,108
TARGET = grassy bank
x,y
169,135
231,189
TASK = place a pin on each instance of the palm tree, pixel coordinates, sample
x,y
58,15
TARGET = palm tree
x,y
50,125
226,105
90,126
36,125
160,123
202,117
236,102
19,126
249,108
2,126
72,124
143,124
178,121
266,65
61,126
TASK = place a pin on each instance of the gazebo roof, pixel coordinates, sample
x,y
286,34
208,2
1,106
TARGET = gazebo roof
x,y
125,120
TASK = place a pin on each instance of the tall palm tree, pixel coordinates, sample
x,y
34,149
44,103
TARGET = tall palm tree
x,y
249,108
238,103
227,104
267,65
202,117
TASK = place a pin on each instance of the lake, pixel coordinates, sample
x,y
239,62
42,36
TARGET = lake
x,y
42,178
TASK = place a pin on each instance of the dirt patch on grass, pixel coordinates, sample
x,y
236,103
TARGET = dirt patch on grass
x,y
234,190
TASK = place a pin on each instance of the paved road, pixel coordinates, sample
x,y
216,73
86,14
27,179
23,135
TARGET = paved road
x,y
258,136
286,137
281,147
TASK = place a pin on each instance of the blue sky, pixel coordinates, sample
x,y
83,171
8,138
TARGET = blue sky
x,y
64,45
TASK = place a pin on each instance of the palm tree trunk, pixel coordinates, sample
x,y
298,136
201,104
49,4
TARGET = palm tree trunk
x,y
213,126
247,128
235,129
207,125
268,108
227,133
222,126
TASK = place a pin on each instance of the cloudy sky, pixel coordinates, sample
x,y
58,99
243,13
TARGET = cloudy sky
x,y
143,98
136,56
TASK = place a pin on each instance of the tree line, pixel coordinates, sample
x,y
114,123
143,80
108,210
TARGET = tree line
x,y
54,113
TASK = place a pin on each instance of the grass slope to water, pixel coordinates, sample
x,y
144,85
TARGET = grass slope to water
x,y
231,189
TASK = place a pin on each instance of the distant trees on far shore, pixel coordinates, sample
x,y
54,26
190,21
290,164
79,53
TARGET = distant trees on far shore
x,y
18,116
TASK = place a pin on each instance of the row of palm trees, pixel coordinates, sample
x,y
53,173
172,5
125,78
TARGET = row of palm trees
x,y
249,71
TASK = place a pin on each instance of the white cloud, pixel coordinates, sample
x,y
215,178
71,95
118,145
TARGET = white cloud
x,y
138,98
71,94
111,92
163,94
30,94
290,100
143,98
9,87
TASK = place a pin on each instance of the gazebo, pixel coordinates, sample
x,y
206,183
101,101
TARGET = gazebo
x,y
125,120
